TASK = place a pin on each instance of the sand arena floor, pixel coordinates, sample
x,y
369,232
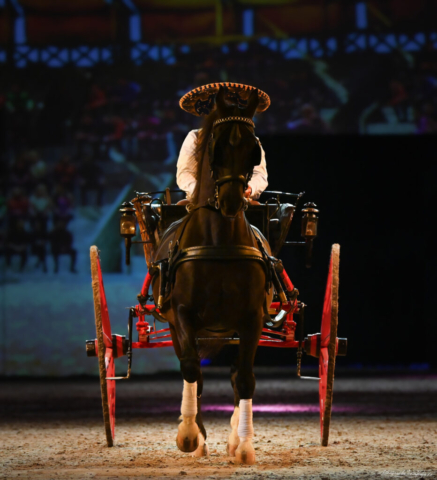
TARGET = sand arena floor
x,y
383,427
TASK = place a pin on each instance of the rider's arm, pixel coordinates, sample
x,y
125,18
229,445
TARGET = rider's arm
x,y
258,182
186,165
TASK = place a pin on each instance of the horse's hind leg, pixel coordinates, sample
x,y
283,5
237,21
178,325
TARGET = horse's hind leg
x,y
234,439
245,383
202,450
187,438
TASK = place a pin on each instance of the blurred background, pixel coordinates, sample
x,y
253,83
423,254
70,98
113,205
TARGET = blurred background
x,y
89,113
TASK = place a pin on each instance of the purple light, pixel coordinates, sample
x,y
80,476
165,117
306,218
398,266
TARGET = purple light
x,y
277,408
274,408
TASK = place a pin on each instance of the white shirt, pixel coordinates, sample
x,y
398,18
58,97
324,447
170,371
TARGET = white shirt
x,y
187,169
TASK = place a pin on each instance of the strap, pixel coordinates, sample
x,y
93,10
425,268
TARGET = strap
x,y
217,253
231,178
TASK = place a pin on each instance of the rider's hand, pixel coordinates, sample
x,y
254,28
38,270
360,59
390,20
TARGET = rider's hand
x,y
248,192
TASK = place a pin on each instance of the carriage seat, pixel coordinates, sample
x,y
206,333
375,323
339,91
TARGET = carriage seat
x,y
273,221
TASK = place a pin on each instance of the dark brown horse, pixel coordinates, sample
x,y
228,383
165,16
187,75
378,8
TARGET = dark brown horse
x,y
224,292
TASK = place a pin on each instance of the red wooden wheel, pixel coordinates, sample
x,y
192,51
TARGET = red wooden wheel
x,y
328,344
104,342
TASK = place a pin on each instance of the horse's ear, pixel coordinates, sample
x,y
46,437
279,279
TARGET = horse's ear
x,y
220,99
252,104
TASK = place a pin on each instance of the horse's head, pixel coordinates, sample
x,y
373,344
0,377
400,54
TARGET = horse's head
x,y
234,151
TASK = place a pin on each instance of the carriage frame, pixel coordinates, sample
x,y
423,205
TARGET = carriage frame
x,y
154,212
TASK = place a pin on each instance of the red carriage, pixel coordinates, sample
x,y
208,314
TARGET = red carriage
x,y
285,329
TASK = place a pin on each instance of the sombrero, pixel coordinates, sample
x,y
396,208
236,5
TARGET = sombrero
x,y
200,101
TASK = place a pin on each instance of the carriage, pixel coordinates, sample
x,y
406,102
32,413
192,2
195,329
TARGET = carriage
x,y
154,213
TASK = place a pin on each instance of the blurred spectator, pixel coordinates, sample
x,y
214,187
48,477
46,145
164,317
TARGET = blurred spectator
x,y
112,134
65,173
19,175
129,142
39,241
17,243
398,99
63,204
91,178
125,92
427,122
87,136
37,167
41,206
61,241
309,123
97,98
18,205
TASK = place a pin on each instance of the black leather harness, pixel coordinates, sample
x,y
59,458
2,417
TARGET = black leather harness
x,y
176,257
217,253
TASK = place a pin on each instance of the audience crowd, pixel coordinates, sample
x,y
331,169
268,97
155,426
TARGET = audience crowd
x,y
105,114
38,204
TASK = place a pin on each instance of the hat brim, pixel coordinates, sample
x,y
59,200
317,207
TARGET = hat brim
x,y
200,101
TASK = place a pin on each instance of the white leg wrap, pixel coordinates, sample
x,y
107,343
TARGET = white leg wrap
x,y
189,399
245,424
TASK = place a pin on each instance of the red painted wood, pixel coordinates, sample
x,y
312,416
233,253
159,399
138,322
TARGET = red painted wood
x,y
325,337
326,315
146,284
106,324
110,385
323,375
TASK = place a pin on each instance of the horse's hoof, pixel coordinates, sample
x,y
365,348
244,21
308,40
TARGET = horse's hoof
x,y
186,444
230,449
201,451
245,454
187,439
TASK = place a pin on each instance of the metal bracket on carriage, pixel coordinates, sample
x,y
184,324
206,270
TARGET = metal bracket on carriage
x,y
143,329
141,310
119,346
313,344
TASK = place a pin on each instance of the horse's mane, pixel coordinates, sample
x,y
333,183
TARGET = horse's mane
x,y
201,146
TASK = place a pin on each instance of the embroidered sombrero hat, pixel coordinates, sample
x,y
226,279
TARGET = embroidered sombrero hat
x,y
200,101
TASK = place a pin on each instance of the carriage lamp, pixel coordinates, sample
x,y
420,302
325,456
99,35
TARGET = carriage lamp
x,y
309,229
128,226
309,221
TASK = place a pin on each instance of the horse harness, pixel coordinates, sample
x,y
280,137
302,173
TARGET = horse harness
x,y
167,267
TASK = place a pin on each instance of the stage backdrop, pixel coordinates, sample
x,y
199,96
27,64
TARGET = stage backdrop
x,y
79,140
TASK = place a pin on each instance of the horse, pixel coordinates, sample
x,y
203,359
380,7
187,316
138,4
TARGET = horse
x,y
223,290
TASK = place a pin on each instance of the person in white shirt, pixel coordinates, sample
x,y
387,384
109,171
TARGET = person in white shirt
x,y
187,167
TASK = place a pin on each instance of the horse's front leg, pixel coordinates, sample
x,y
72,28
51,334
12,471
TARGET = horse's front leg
x,y
245,383
234,439
187,438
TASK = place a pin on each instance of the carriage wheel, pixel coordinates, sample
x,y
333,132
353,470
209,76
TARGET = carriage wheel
x,y
104,341
328,344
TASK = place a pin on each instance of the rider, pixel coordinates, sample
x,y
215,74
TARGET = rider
x,y
200,102
186,169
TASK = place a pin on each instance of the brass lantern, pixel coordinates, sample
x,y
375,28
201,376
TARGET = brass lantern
x,y
309,229
128,226
309,221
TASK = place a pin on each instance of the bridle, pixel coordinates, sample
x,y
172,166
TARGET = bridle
x,y
227,178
